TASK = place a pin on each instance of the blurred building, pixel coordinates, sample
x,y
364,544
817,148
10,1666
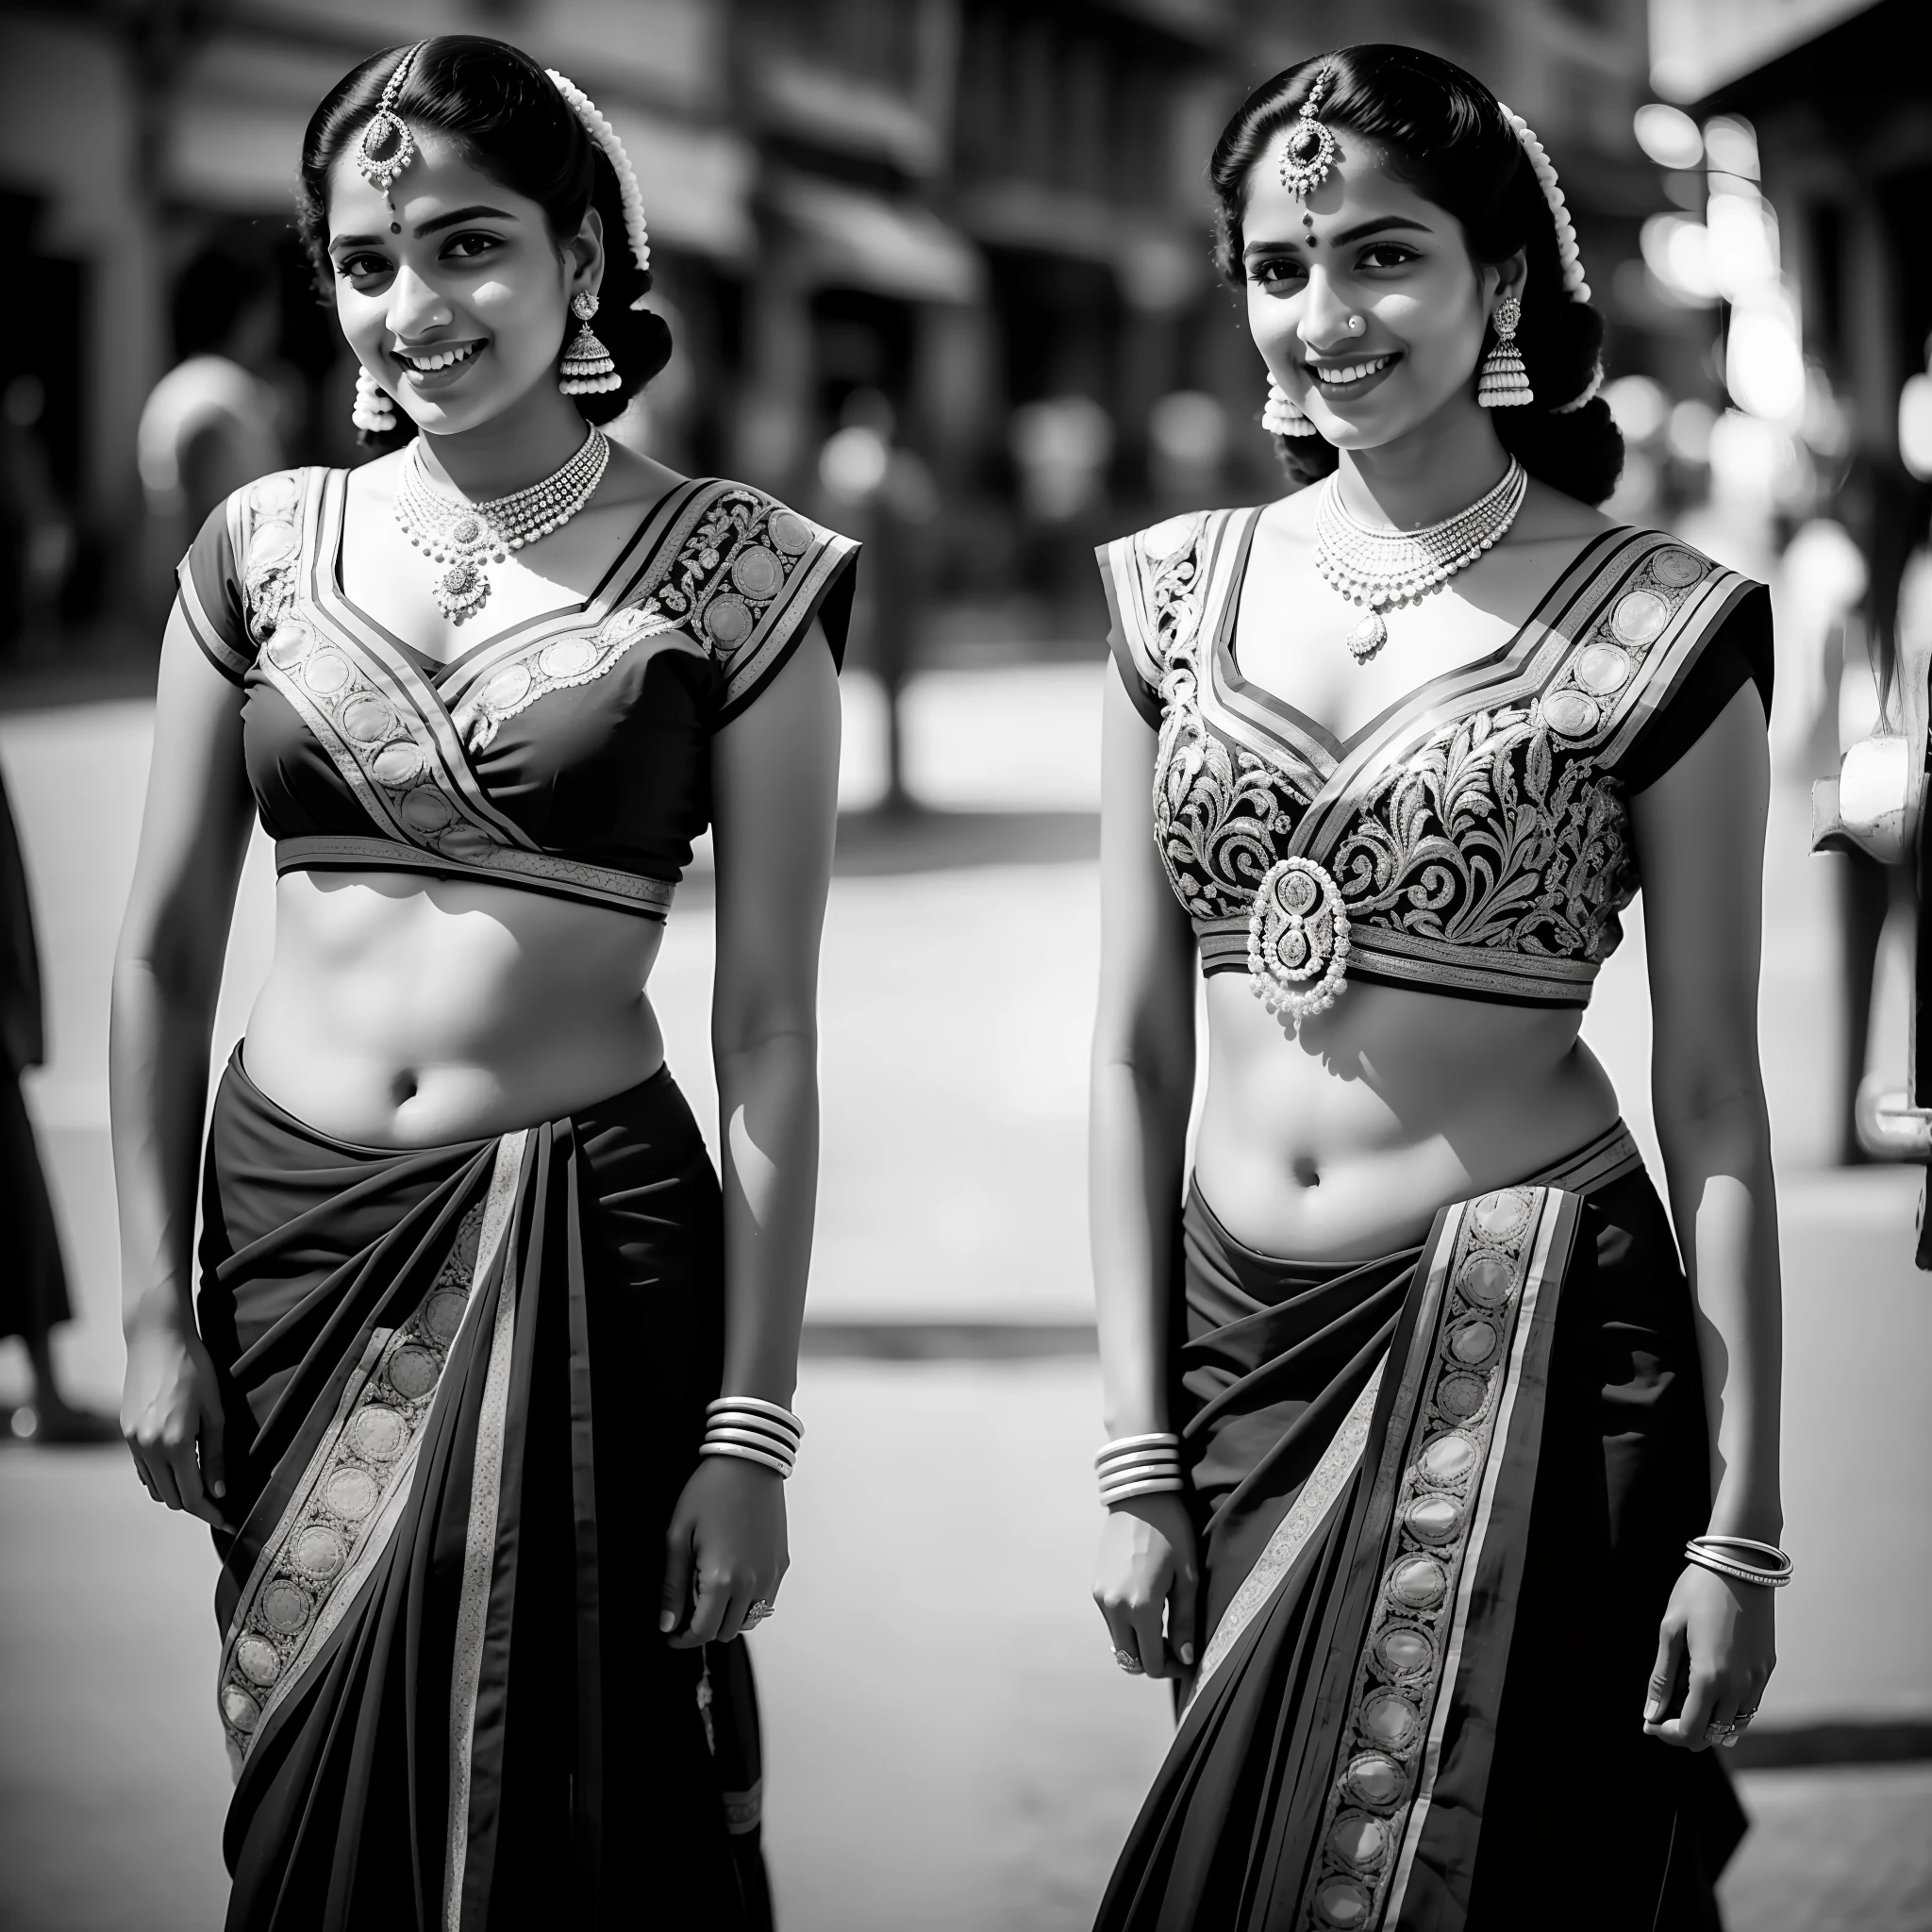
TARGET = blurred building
x,y
991,214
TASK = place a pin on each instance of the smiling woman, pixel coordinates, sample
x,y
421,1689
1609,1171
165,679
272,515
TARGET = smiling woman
x,y
485,1390
1428,1461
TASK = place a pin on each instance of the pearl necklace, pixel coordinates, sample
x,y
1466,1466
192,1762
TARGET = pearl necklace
x,y
1382,567
468,537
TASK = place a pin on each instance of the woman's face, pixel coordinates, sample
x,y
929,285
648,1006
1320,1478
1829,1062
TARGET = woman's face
x,y
1365,245
457,298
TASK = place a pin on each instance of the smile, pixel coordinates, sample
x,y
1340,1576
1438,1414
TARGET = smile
x,y
1347,375
432,361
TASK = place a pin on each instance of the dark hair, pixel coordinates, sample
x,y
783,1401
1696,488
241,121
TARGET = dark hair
x,y
1445,135
508,118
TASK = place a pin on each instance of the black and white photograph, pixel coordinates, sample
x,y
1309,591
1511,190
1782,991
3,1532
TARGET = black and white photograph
x,y
960,966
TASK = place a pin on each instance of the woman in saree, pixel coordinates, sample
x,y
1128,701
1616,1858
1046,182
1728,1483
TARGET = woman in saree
x,y
487,1398
1446,1494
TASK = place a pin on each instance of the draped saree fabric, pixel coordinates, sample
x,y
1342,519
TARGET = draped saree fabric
x,y
1442,1498
464,1386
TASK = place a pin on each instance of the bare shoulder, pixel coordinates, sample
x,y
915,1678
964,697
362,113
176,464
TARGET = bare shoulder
x,y
635,478
1291,516
1549,516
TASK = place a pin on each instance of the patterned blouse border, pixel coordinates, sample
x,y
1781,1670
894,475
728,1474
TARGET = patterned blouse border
x,y
569,878
1484,1328
347,1503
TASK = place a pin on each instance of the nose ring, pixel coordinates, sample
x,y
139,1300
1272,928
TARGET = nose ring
x,y
1356,325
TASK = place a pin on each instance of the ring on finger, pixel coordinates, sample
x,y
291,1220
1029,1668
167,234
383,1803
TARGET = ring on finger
x,y
757,1613
1129,1662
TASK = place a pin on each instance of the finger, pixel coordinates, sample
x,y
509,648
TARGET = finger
x,y
1691,1726
731,1619
1120,1632
708,1613
1663,1673
160,1476
1149,1643
183,1462
1181,1601
673,1603
214,1457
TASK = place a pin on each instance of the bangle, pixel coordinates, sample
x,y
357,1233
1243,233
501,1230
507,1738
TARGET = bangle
x,y
1147,1465
754,1429
1713,1552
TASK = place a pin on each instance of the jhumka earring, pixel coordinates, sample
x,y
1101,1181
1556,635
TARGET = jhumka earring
x,y
374,413
1282,417
587,369
1308,152
1505,382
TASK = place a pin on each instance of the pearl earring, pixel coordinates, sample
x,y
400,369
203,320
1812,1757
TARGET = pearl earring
x,y
1282,417
1505,382
374,413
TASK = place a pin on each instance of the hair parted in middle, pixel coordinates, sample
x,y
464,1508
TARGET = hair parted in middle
x,y
509,120
1447,137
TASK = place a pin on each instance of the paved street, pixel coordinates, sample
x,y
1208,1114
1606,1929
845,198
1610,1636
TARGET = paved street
x,y
949,1745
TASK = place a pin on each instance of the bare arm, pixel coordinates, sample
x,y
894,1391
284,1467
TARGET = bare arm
x,y
775,791
1700,841
167,972
1142,1087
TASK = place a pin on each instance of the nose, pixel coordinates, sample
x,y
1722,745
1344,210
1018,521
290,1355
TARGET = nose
x,y
1323,325
414,307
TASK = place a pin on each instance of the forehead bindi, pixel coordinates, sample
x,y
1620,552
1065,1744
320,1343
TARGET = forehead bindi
x,y
440,177
1359,187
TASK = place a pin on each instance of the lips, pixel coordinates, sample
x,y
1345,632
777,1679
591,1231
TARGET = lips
x,y
435,359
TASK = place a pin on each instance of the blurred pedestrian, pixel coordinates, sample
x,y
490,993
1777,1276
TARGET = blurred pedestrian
x,y
37,538
1409,1475
218,418
33,1282
876,488
487,1398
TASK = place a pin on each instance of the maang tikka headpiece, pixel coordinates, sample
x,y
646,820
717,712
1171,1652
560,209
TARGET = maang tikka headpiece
x,y
386,146
1308,152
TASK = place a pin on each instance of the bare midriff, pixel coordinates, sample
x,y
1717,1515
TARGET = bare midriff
x,y
404,1010
1342,1142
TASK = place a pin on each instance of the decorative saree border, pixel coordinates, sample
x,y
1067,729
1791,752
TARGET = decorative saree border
x,y
479,1537
1485,1333
344,1508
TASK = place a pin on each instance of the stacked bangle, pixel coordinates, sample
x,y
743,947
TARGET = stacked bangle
x,y
1762,1563
758,1431
1138,1466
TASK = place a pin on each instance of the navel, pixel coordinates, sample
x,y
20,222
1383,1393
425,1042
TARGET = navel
x,y
403,1088
1306,1174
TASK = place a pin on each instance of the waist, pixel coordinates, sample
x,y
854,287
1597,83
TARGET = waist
x,y
405,1010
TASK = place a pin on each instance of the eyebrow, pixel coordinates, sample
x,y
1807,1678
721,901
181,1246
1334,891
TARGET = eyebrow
x,y
430,227
1360,232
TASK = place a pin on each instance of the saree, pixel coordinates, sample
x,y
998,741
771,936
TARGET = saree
x,y
1441,1499
463,1388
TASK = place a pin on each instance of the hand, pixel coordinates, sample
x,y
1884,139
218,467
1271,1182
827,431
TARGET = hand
x,y
169,1412
1147,1561
1727,1628
728,1534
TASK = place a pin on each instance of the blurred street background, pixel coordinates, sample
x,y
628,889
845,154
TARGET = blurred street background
x,y
937,273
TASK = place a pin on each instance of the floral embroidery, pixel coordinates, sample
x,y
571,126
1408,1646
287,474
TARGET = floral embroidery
x,y
271,552
730,569
1502,832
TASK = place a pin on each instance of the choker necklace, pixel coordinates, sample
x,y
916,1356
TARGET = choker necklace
x,y
469,537
1382,567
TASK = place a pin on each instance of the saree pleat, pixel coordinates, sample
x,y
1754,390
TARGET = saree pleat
x,y
465,1386
1441,1497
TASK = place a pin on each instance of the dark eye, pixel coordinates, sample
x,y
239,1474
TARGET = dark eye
x,y
362,268
469,243
1275,271
1387,255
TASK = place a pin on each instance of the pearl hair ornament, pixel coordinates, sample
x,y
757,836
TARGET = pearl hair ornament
x,y
1540,165
601,131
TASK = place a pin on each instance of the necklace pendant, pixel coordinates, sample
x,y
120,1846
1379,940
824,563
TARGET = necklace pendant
x,y
460,590
1367,638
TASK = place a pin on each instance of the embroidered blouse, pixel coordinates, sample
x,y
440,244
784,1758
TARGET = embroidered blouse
x,y
1474,839
566,754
